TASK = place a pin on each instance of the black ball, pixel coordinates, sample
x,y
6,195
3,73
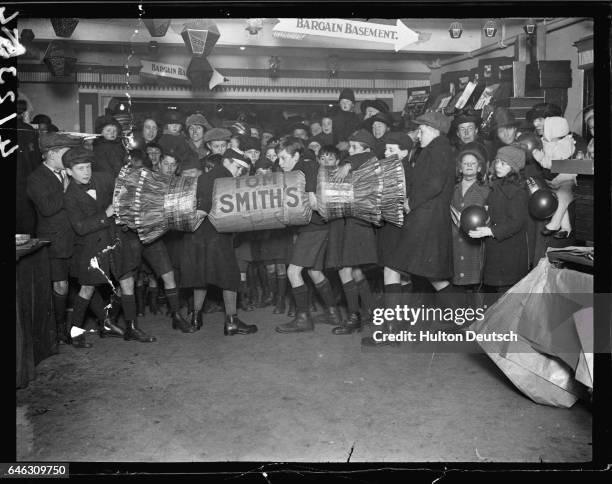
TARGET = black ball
x,y
473,217
530,142
542,204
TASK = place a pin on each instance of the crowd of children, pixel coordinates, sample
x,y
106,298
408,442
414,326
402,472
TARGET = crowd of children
x,y
346,265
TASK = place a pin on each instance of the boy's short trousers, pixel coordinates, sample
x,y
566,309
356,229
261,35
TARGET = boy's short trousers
x,y
309,248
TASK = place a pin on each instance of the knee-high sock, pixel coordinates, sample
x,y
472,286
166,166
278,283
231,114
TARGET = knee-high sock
x,y
59,307
393,295
352,296
80,307
128,303
325,291
173,299
263,276
300,294
281,285
97,305
367,301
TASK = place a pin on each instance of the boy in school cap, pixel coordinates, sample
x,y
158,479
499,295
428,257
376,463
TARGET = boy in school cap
x,y
45,187
88,203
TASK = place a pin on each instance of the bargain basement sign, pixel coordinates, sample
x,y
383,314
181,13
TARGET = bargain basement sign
x,y
398,35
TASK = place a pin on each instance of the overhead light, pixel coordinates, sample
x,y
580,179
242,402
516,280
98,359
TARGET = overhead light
x,y
153,47
157,27
254,25
530,27
331,105
64,27
490,29
242,47
455,30
200,37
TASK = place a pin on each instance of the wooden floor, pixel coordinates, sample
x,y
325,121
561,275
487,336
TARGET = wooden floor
x,y
274,397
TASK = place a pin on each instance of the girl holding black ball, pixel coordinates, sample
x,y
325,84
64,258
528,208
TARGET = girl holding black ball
x,y
506,255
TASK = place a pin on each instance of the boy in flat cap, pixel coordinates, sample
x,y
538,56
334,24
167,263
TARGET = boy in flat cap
x,y
88,203
217,140
45,187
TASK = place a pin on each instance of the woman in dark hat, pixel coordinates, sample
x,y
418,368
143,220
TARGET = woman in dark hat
x,y
173,130
108,150
539,112
505,127
379,125
371,107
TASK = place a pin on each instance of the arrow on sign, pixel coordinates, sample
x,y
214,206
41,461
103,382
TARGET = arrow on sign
x,y
399,35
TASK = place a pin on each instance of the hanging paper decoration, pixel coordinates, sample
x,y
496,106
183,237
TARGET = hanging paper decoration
x,y
199,72
60,59
64,27
200,37
26,36
157,27
202,74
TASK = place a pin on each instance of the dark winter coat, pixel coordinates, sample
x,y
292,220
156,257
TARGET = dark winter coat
x,y
506,255
93,228
109,156
47,193
28,159
344,124
468,253
425,245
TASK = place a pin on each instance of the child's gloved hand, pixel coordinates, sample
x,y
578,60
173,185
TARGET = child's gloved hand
x,y
341,173
406,207
538,155
480,232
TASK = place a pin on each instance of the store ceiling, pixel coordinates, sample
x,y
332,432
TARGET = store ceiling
x,y
114,35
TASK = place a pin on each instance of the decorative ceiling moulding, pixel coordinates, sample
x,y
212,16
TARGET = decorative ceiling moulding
x,y
231,92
